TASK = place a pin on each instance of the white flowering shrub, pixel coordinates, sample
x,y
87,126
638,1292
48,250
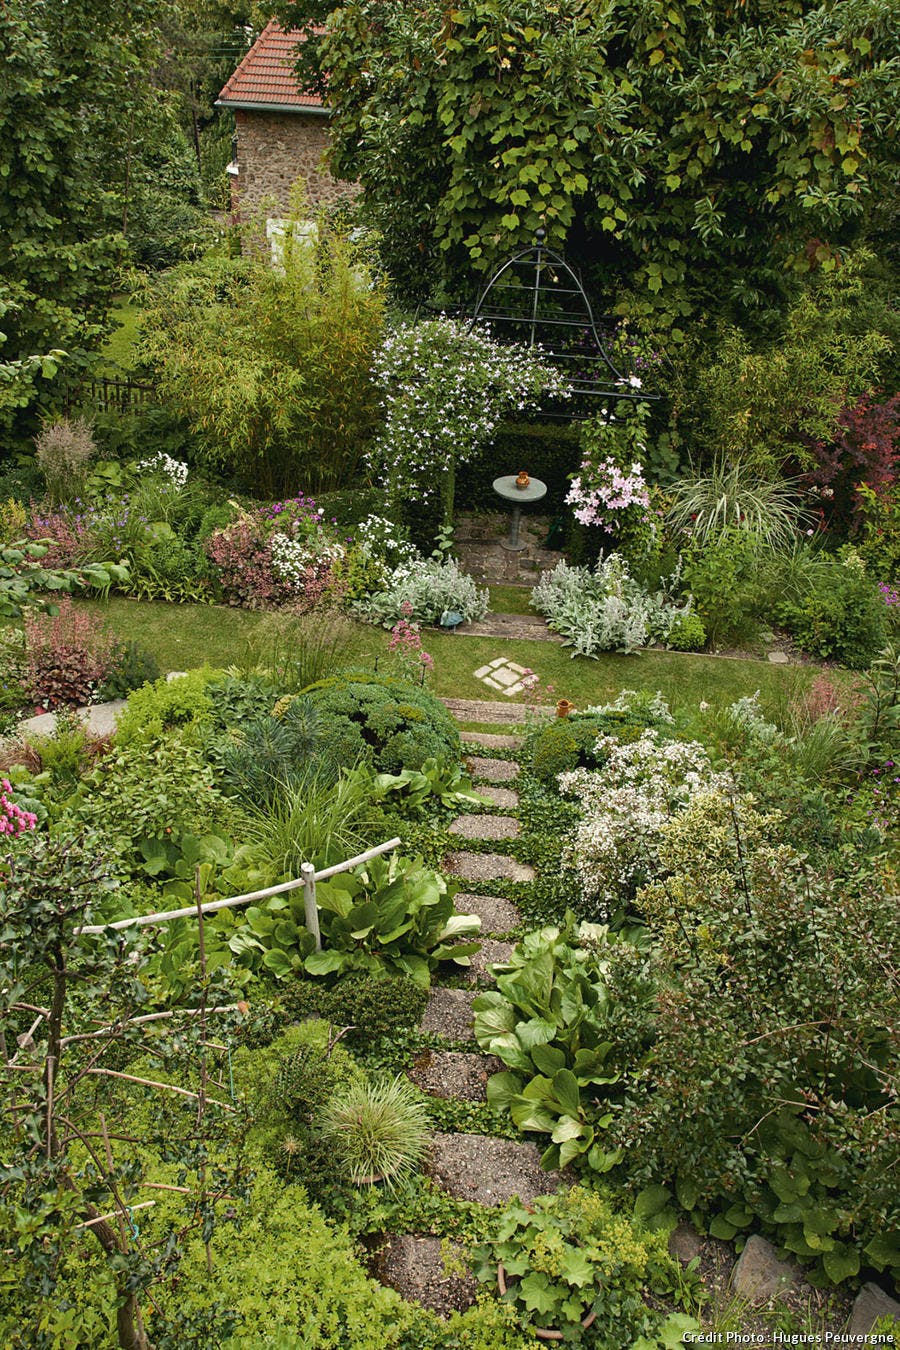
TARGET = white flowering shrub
x,y
604,610
293,559
174,470
421,591
625,804
382,540
445,392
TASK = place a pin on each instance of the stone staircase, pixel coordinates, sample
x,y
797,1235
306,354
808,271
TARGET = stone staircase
x,y
470,1167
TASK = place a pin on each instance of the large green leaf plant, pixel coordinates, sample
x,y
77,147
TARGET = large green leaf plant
x,y
548,1020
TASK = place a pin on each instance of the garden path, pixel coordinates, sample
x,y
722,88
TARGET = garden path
x,y
480,1168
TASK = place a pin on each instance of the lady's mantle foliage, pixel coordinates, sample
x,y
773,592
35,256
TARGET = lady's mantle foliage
x,y
445,391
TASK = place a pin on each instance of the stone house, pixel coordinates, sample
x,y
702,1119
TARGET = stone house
x,y
281,132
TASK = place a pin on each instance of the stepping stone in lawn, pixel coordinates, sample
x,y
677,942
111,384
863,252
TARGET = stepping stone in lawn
x,y
490,1171
485,827
493,770
505,798
496,914
492,953
448,1073
492,741
416,1268
487,867
449,1013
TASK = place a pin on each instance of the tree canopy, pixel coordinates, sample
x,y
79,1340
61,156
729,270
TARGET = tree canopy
x,y
692,152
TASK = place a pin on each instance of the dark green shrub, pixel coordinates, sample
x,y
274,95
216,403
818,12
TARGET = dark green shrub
x,y
568,743
547,451
383,721
841,617
134,667
374,1006
724,578
350,506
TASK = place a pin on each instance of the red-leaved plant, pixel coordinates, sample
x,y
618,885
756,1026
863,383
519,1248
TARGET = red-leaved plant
x,y
865,450
68,656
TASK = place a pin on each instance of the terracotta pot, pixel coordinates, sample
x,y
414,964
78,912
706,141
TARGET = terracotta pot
x,y
564,707
541,1332
523,480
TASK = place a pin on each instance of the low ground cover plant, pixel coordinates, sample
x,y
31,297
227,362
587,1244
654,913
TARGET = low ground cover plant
x,y
605,609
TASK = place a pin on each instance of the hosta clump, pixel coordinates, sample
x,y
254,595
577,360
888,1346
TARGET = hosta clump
x,y
549,1021
640,786
573,1265
422,591
605,610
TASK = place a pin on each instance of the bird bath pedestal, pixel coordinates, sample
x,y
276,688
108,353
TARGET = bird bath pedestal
x,y
509,490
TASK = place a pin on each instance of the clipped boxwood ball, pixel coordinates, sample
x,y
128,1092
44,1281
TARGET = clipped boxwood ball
x,y
384,721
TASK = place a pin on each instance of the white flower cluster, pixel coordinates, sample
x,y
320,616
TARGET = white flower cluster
x,y
294,559
446,390
176,470
380,539
614,848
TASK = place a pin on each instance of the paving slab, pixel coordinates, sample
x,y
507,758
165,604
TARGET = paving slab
x,y
448,1012
493,740
496,914
454,1074
98,718
487,867
491,953
418,1269
488,1170
485,710
493,770
507,799
485,827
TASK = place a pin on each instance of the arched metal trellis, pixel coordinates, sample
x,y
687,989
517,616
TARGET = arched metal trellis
x,y
536,298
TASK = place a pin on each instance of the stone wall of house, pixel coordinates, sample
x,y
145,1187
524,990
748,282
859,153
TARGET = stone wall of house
x,y
274,149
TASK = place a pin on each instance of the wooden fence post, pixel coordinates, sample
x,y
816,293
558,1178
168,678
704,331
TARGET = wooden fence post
x,y
308,872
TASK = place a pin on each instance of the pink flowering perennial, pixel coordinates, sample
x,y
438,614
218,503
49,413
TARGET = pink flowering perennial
x,y
13,820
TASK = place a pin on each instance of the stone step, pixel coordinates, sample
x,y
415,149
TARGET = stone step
x,y
448,1012
485,710
415,1267
451,1073
488,1170
491,953
493,770
492,740
496,914
506,798
98,719
485,827
487,867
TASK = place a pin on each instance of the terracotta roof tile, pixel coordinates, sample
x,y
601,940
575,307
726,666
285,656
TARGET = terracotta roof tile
x,y
265,77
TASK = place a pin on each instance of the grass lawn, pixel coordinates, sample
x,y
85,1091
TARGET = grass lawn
x,y
183,636
511,600
119,346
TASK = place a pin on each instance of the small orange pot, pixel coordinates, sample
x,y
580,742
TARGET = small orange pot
x,y
523,480
564,707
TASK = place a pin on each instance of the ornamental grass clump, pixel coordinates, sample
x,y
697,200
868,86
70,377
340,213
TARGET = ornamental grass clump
x,y
63,450
378,1131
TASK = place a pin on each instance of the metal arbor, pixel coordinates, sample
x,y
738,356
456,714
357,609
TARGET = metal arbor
x,y
535,297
